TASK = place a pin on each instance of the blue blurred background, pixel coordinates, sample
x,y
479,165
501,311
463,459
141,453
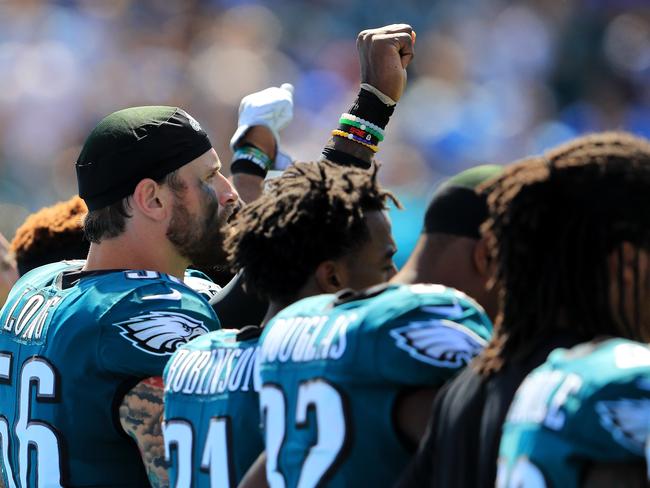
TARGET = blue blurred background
x,y
492,80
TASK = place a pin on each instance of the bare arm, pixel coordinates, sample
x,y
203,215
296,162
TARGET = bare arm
x,y
413,411
141,414
250,186
255,477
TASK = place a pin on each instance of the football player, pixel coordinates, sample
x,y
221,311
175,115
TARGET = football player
x,y
319,228
83,344
51,234
580,420
450,249
56,233
569,237
347,379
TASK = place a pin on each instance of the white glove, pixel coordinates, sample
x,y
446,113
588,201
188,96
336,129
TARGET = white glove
x,y
272,107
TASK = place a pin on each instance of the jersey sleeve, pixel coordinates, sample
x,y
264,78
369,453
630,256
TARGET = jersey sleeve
x,y
429,345
142,330
612,423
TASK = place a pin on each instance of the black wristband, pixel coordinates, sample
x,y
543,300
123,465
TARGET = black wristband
x,y
248,167
343,159
369,107
251,160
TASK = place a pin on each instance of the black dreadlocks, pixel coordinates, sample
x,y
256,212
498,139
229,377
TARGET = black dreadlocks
x,y
312,213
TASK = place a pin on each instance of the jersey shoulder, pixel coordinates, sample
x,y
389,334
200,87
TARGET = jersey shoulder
x,y
224,338
201,283
601,391
154,311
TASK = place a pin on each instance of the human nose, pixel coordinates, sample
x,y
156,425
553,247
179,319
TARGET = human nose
x,y
226,191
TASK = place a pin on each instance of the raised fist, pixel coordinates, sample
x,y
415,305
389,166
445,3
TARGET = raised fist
x,y
384,54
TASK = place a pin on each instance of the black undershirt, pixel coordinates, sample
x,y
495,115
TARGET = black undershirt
x,y
237,308
461,444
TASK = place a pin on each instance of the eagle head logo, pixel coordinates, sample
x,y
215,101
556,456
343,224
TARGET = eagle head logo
x,y
161,333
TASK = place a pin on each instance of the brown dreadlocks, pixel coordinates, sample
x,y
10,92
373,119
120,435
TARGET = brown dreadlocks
x,y
554,221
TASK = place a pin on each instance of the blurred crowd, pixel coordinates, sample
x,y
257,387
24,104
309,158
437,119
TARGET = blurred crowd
x,y
493,80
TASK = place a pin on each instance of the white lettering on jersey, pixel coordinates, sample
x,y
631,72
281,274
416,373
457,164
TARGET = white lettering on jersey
x,y
627,420
301,339
211,372
160,333
441,343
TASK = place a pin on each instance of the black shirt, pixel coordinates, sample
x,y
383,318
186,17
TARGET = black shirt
x,y
461,444
236,308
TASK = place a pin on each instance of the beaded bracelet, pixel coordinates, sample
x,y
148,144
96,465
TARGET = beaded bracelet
x,y
349,119
356,131
354,138
360,129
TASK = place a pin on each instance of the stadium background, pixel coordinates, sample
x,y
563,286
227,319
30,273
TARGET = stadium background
x,y
492,80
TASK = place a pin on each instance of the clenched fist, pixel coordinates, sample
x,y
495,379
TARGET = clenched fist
x,y
384,54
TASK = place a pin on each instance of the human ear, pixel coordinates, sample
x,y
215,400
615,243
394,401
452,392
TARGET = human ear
x,y
481,257
149,200
330,276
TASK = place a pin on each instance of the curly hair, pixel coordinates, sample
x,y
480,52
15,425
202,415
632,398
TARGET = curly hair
x,y
51,234
554,221
312,213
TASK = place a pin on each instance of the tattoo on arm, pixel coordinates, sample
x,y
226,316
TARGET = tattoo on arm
x,y
141,414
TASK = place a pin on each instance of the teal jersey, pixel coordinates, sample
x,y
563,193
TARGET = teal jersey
x,y
71,346
588,404
332,369
212,423
201,283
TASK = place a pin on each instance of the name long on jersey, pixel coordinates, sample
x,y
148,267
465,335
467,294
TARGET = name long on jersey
x,y
332,368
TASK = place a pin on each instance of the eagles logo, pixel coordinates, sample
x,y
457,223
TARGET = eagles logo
x,y
161,333
627,420
441,343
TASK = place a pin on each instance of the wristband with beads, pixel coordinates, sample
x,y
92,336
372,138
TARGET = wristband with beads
x,y
356,131
354,138
349,119
250,160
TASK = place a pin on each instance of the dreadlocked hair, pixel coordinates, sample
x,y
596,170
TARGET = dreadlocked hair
x,y
312,213
553,223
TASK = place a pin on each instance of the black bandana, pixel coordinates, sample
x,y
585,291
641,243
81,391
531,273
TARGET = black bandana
x,y
457,208
132,144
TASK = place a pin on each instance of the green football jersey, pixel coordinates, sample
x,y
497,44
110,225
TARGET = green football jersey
x,y
212,422
332,369
71,345
588,404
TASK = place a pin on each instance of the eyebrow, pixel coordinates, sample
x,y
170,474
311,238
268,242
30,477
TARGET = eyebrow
x,y
214,170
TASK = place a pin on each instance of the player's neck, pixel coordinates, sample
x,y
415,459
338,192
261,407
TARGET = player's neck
x,y
120,253
417,267
276,306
